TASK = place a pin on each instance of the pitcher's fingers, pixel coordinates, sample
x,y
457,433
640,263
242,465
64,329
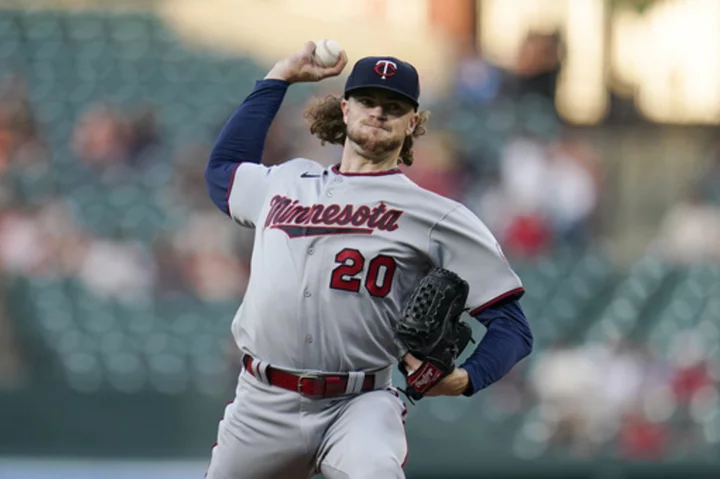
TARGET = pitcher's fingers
x,y
309,48
338,67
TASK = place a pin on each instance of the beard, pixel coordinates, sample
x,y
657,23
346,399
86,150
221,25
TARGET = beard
x,y
373,146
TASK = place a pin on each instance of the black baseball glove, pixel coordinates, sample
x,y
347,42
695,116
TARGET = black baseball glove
x,y
430,329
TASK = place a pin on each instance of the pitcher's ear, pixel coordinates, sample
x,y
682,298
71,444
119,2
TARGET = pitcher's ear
x,y
412,124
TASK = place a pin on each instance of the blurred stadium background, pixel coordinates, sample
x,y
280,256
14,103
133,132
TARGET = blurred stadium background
x,y
584,133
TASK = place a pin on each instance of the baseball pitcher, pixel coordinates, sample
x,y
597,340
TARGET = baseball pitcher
x,y
355,270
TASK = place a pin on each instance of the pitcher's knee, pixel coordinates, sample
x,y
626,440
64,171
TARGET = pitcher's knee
x,y
386,467
369,467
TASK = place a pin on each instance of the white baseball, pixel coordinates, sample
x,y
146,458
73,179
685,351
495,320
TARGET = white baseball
x,y
327,52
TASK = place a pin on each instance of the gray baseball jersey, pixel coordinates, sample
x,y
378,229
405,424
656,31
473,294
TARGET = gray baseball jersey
x,y
336,255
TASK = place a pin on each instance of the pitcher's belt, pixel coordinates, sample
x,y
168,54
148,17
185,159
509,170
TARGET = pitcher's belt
x,y
313,385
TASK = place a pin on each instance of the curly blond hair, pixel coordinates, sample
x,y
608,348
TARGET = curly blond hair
x,y
325,118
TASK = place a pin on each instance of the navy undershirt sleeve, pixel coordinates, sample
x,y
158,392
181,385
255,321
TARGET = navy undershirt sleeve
x,y
508,340
242,139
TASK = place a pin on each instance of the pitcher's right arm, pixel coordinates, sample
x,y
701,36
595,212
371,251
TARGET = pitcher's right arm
x,y
235,179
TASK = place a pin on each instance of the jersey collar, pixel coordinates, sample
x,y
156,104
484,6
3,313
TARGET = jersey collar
x,y
336,169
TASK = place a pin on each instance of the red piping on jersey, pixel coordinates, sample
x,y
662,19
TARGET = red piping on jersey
x,y
513,292
394,171
407,454
230,185
403,416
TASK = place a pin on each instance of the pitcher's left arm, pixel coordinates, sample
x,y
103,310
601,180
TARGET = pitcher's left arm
x,y
461,243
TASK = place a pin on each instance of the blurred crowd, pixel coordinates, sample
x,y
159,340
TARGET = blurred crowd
x,y
542,185
690,231
112,148
619,399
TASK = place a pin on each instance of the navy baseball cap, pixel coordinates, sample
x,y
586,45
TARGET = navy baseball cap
x,y
388,73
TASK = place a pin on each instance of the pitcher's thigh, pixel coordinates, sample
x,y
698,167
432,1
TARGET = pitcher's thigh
x,y
367,440
259,437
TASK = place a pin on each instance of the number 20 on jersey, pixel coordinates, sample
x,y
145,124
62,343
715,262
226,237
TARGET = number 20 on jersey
x,y
350,274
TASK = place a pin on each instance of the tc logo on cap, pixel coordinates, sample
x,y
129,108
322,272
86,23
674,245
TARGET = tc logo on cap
x,y
385,68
